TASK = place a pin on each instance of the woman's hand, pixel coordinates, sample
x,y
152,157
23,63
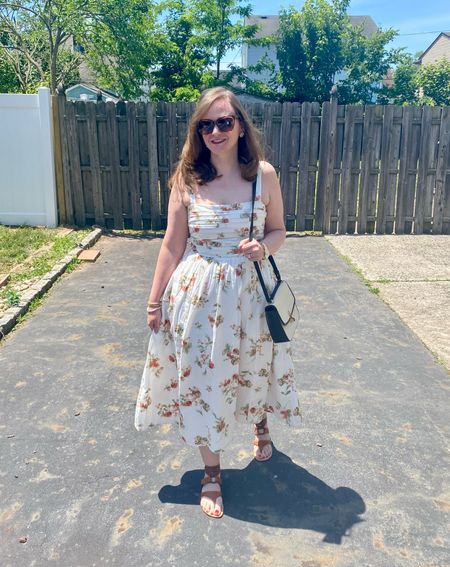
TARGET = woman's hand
x,y
251,249
154,320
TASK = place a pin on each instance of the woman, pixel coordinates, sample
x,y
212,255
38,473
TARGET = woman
x,y
211,361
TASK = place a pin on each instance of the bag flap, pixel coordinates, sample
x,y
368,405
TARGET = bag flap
x,y
284,301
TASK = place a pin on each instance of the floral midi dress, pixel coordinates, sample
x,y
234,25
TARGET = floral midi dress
x,y
213,363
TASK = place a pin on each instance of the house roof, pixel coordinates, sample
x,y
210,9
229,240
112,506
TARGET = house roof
x,y
94,89
446,34
270,24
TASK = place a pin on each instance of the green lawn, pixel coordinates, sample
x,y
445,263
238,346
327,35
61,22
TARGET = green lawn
x,y
31,252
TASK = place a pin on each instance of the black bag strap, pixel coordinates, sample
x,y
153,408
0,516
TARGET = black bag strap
x,y
270,258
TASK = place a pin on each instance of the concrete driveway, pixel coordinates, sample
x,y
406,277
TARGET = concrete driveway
x,y
363,483
412,273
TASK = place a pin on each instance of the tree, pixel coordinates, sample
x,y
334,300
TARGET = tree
x,y
367,61
8,79
318,46
427,84
310,48
404,83
115,34
121,40
182,64
32,36
433,82
216,30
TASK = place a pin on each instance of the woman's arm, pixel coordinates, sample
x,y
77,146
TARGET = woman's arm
x,y
274,229
172,247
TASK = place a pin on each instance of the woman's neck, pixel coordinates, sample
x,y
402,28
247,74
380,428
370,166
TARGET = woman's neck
x,y
225,165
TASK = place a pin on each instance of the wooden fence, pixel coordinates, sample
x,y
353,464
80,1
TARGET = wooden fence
x,y
342,169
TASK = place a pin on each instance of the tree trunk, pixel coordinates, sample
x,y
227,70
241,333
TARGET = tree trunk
x,y
53,56
217,67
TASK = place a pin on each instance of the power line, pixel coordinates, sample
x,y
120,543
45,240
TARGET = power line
x,y
421,33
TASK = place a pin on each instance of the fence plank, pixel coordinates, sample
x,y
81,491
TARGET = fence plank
x,y
326,164
442,171
336,172
68,192
75,166
94,161
368,159
314,142
114,159
405,165
304,166
59,177
355,171
424,163
289,204
155,213
347,162
388,118
163,157
133,164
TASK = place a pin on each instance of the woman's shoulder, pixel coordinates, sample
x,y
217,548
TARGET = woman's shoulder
x,y
180,195
266,168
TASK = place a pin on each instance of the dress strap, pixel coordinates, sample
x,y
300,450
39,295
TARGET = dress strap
x,y
259,184
191,197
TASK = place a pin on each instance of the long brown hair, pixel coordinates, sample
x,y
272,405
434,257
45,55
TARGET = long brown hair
x,y
195,167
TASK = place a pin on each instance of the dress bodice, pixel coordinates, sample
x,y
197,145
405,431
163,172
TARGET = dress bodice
x,y
216,229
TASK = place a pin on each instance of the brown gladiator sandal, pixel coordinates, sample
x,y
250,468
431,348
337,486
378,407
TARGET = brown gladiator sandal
x,y
212,494
261,429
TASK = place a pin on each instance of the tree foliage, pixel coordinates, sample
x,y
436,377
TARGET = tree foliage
x,y
404,87
120,38
427,84
115,34
310,48
367,62
182,64
433,81
217,30
318,47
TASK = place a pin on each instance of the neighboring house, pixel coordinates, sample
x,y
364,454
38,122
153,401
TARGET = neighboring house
x,y
86,74
85,91
439,49
268,25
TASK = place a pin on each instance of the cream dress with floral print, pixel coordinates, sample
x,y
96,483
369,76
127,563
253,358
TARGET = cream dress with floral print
x,y
212,362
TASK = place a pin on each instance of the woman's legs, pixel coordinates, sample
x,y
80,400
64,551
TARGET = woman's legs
x,y
212,469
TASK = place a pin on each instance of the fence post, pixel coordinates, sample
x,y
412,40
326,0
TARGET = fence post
x,y
65,157
59,172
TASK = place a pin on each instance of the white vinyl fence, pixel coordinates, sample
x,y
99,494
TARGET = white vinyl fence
x,y
27,172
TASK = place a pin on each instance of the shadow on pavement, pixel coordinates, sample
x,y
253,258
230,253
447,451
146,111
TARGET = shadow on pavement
x,y
280,494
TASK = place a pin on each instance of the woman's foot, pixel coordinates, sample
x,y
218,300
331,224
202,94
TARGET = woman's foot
x,y
263,444
211,495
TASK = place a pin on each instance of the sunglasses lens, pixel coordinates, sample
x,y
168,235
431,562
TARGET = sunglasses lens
x,y
206,126
225,124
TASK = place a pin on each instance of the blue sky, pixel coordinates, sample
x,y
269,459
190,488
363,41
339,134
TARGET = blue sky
x,y
406,16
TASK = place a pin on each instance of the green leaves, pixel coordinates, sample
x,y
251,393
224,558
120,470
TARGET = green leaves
x,y
310,48
433,82
318,46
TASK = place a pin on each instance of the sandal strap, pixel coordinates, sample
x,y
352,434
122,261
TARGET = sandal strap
x,y
262,442
211,480
213,494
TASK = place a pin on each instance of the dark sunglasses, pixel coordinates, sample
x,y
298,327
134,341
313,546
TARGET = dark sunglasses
x,y
224,124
